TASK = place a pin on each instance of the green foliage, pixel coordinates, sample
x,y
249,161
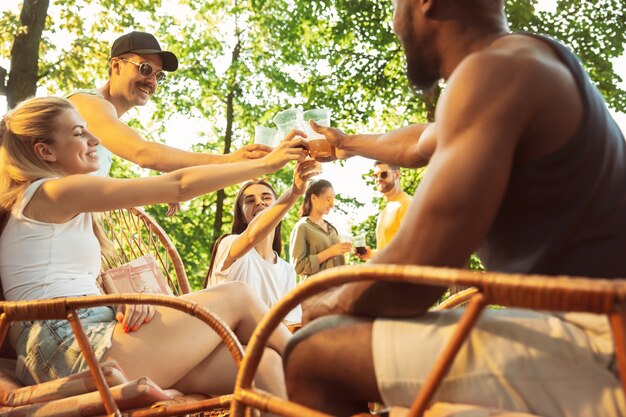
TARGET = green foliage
x,y
475,263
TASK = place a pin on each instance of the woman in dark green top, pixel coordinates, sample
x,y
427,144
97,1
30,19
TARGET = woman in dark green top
x,y
315,244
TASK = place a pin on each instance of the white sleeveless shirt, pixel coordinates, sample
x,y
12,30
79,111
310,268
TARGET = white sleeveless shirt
x,y
48,260
271,281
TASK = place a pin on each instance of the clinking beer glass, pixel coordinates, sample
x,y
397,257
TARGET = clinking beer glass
x,y
319,147
295,118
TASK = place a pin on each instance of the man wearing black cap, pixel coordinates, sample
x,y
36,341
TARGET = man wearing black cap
x,y
137,66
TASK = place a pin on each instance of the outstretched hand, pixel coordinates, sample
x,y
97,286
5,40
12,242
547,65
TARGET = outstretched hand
x,y
303,173
132,316
292,148
340,248
253,151
172,209
369,253
335,137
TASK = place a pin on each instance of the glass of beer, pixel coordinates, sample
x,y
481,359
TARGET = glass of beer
x,y
288,120
345,236
358,242
266,136
319,147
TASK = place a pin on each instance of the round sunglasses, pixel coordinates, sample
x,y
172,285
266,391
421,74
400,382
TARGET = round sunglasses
x,y
146,70
382,174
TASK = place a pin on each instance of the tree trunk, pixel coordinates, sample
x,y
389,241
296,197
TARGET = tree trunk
x,y
228,139
23,77
3,83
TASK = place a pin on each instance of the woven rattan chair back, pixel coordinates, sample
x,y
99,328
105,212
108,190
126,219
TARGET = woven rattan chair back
x,y
134,234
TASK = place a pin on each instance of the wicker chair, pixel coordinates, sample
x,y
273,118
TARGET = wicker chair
x,y
523,291
65,308
457,299
134,234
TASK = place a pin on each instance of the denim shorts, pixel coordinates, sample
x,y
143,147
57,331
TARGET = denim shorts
x,y
48,349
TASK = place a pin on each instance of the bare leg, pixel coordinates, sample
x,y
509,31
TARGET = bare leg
x,y
202,379
173,344
329,366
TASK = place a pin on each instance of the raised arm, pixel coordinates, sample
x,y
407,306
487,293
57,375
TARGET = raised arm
x,y
116,136
266,221
480,121
410,146
62,199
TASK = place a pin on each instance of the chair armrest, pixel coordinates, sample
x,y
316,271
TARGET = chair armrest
x,y
558,293
65,308
57,309
457,299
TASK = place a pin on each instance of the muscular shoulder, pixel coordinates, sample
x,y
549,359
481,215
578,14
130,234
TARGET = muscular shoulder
x,y
485,92
515,86
518,67
543,90
510,66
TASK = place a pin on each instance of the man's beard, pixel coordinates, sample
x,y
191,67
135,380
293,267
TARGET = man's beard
x,y
385,187
419,80
422,68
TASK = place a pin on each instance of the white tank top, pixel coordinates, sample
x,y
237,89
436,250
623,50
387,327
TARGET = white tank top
x,y
271,281
48,260
105,159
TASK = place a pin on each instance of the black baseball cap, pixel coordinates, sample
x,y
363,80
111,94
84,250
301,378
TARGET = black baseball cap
x,y
143,43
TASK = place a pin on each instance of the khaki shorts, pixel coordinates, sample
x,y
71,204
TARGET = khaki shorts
x,y
516,360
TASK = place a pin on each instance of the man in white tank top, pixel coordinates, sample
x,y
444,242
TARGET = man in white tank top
x,y
137,67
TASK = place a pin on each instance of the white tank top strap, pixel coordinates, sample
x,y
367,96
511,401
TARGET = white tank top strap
x,y
18,209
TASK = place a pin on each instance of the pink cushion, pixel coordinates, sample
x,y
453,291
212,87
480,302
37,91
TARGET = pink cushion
x,y
142,275
138,393
8,382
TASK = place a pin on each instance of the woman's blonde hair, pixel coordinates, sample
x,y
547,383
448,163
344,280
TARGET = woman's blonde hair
x,y
32,121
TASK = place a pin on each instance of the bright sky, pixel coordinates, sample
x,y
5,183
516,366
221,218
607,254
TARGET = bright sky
x,y
346,180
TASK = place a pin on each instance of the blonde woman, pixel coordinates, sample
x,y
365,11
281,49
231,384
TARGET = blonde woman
x,y
50,247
